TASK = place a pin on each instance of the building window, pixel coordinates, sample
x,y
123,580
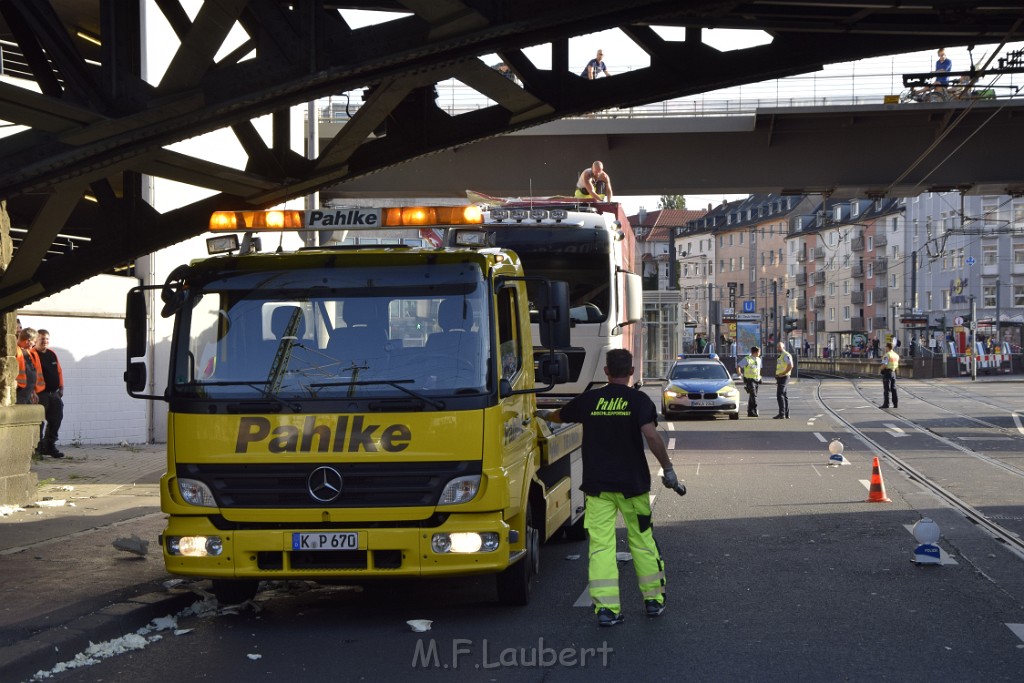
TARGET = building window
x,y
846,287
831,315
870,270
732,264
895,223
895,252
846,312
1018,295
892,281
869,297
945,299
990,255
988,296
741,263
741,238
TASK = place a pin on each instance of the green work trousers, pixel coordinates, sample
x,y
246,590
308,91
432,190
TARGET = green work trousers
x,y
601,514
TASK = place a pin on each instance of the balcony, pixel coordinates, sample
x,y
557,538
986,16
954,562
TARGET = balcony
x,y
801,279
856,297
881,322
819,277
857,325
857,270
801,303
801,257
819,325
881,294
819,252
881,266
881,241
819,301
857,244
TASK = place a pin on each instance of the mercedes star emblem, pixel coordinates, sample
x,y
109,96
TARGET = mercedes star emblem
x,y
324,484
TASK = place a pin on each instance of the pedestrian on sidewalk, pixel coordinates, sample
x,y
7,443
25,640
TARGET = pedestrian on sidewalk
x,y
783,369
750,366
890,364
616,420
52,397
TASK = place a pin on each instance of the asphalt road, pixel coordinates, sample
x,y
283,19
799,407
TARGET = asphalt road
x,y
778,570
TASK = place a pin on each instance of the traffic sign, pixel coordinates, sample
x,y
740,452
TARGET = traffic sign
x,y
959,320
973,324
970,261
749,306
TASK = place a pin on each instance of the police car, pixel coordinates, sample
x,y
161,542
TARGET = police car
x,y
700,386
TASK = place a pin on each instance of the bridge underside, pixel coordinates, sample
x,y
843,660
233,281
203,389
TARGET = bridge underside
x,y
841,152
93,126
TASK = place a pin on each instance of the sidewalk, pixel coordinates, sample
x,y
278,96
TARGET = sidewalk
x,y
64,583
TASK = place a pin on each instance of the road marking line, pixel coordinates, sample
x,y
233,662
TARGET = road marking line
x,y
815,468
896,431
670,426
672,444
1018,630
583,600
866,483
1016,420
984,438
820,438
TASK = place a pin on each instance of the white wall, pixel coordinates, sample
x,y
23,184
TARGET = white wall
x,y
86,326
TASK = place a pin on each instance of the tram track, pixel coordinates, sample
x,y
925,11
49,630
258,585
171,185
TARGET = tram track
x,y
1013,542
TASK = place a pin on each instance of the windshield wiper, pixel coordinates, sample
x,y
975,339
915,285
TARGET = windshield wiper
x,y
396,383
260,386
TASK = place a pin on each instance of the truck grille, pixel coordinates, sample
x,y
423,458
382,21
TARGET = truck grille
x,y
392,484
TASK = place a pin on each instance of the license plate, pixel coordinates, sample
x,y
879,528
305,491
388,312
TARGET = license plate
x,y
333,540
702,404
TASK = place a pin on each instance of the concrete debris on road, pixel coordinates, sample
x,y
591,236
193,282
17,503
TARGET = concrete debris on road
x,y
132,545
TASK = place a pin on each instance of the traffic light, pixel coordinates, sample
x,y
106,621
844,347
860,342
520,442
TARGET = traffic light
x,y
788,323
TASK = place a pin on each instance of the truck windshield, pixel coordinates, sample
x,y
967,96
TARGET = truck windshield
x,y
330,333
580,256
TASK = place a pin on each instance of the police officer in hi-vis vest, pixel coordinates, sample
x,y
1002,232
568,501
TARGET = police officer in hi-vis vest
x,y
890,364
750,367
783,369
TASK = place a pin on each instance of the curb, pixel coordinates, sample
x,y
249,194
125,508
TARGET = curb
x,y
44,649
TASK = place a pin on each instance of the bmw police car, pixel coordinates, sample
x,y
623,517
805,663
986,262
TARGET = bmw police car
x,y
700,386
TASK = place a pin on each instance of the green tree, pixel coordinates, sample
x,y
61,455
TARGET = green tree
x,y
672,201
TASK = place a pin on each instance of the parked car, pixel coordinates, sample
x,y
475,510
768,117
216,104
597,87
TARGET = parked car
x,y
700,386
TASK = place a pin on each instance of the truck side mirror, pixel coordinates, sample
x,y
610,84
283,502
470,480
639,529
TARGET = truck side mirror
x,y
135,323
553,368
135,377
553,305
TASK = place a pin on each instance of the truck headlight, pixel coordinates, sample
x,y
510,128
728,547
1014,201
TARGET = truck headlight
x,y
465,542
195,546
195,492
460,490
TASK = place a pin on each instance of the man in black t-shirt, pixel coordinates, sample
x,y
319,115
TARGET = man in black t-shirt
x,y
616,420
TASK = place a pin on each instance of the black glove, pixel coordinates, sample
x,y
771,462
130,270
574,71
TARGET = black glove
x,y
671,481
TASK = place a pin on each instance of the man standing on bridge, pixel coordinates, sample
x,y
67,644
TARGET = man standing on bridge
x,y
890,363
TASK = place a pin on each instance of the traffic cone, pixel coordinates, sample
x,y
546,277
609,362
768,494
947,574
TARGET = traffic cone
x,y
876,494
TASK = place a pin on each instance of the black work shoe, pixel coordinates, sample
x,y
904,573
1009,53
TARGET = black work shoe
x,y
55,454
884,406
654,608
606,617
779,417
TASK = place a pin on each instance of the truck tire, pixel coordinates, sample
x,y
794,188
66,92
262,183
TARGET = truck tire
x,y
234,591
515,582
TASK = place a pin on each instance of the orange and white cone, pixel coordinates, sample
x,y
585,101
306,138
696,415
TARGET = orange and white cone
x,y
876,494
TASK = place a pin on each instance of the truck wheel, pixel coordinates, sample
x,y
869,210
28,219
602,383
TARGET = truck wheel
x,y
514,583
234,591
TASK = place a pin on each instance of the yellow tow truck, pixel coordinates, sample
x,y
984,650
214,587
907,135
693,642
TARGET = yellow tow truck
x,y
359,413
